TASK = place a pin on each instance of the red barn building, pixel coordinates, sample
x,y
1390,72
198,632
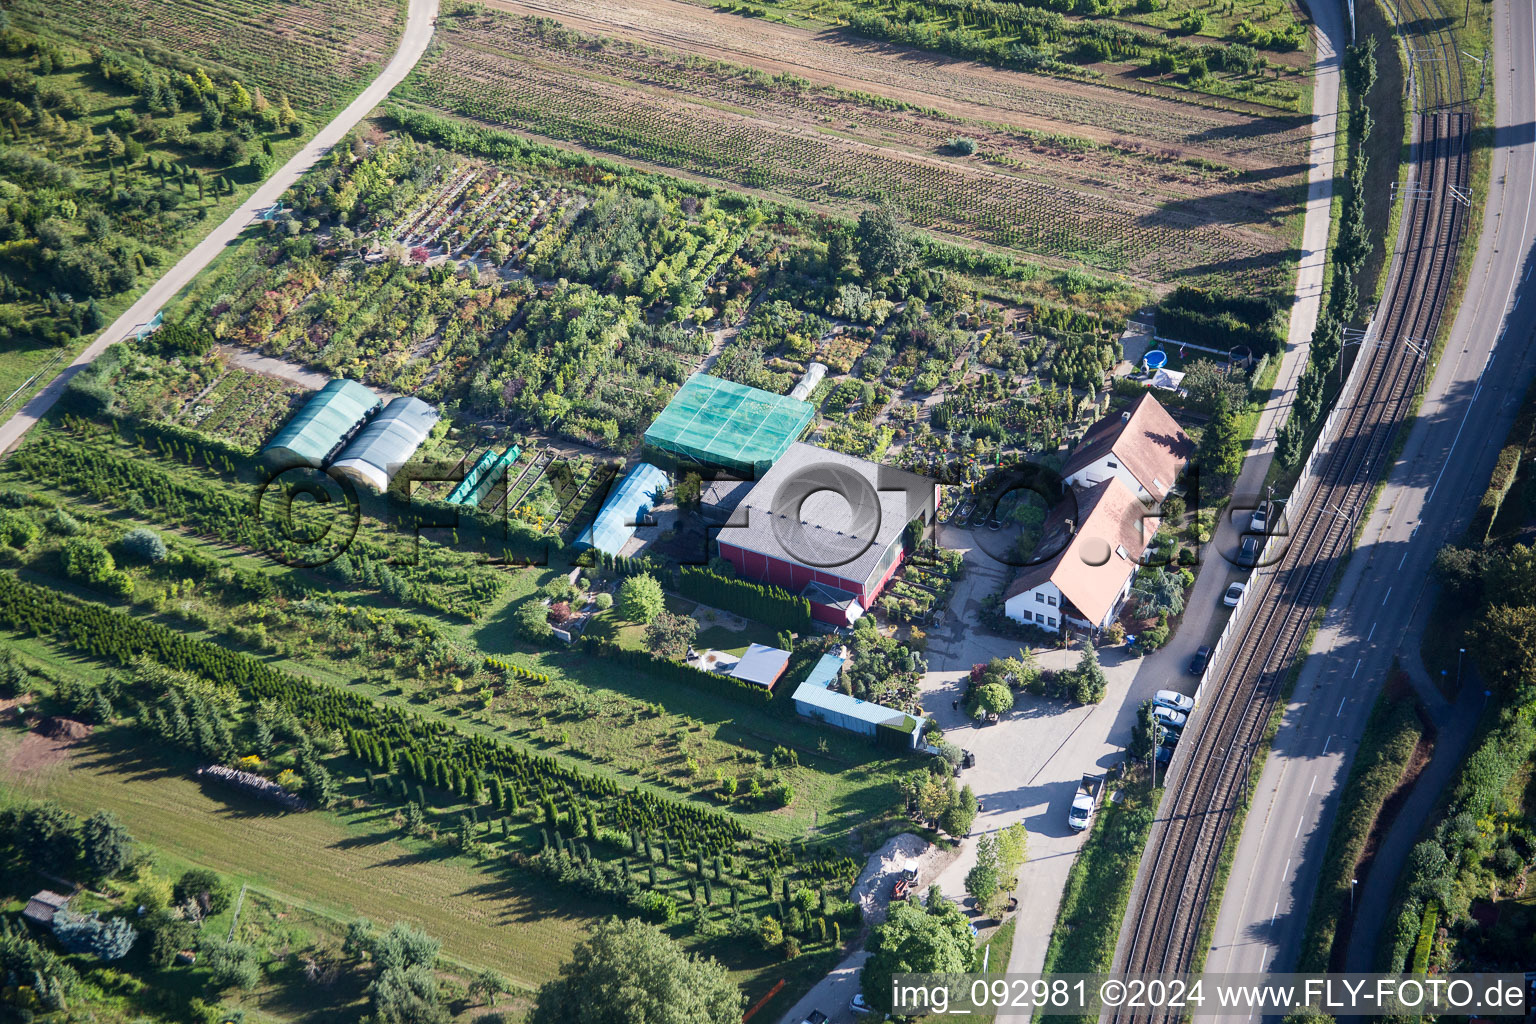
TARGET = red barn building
x,y
829,527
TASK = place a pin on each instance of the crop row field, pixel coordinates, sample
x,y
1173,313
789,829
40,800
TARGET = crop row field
x,y
503,347
1245,54
1158,125
317,52
839,151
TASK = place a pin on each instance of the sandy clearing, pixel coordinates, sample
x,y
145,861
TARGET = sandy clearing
x,y
958,87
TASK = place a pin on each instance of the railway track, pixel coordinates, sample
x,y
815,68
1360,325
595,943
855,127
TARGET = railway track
x,y
1208,776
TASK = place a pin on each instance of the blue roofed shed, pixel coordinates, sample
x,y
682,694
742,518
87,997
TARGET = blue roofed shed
x,y
816,699
628,505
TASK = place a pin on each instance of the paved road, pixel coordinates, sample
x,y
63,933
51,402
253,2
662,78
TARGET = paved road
x,y
419,24
1386,596
1029,764
1100,740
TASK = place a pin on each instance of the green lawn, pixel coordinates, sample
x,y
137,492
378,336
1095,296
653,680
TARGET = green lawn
x,y
346,862
713,635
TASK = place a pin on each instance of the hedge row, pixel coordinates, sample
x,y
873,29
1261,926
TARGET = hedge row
x,y
1206,317
1522,434
770,605
678,672
391,736
1099,886
1435,863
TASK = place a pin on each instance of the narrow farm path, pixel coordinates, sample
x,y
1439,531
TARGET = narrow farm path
x,y
282,369
420,23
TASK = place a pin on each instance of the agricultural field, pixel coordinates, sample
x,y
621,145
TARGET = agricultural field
x,y
430,708
471,271
1088,110
374,628
491,339
1142,215
1247,53
312,859
316,53
205,394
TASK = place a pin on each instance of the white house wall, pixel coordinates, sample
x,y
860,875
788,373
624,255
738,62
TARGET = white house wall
x,y
1017,605
1097,472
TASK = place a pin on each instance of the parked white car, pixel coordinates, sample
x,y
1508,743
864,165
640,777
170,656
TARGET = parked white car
x,y
1234,594
1260,521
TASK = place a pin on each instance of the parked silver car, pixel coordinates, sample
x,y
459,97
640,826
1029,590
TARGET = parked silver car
x,y
1173,700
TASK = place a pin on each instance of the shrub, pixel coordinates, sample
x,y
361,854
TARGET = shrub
x,y
144,545
992,699
62,523
1089,682
962,146
533,620
641,598
231,963
1389,741
88,933
205,888
86,559
17,529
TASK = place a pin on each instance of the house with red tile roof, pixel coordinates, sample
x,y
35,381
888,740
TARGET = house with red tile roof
x,y
1143,448
1081,572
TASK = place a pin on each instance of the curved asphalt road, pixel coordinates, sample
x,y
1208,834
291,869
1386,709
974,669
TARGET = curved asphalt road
x,y
1384,599
421,18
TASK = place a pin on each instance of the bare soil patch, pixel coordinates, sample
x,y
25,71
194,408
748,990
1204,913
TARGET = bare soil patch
x,y
47,744
872,892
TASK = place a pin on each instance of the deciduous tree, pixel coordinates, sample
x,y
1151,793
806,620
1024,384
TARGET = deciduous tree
x,y
630,971
641,598
916,939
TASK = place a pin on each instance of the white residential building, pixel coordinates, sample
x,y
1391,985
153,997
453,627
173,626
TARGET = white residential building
x,y
1087,559
1144,449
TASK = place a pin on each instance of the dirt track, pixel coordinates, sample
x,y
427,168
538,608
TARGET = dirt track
x,y
958,87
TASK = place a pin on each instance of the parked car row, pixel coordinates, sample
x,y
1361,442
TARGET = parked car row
x,y
973,514
1172,710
